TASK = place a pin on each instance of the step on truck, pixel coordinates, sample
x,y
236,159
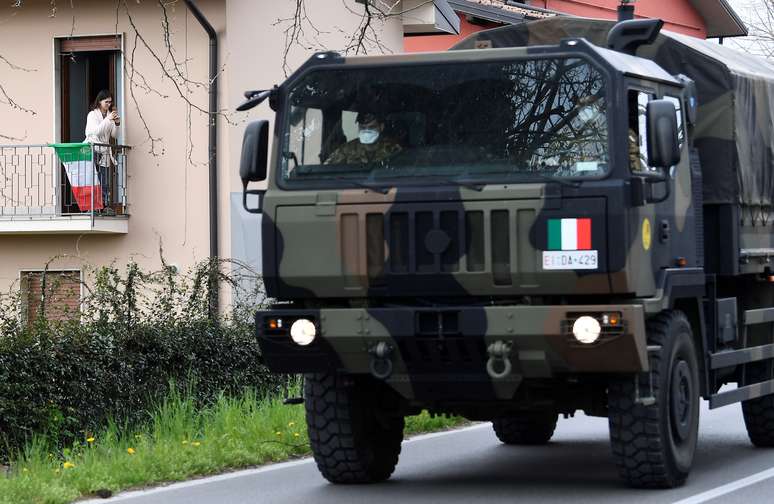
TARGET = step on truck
x,y
559,216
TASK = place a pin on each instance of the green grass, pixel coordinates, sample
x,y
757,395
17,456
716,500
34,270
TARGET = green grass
x,y
180,442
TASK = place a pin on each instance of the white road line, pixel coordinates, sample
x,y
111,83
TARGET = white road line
x,y
251,472
728,488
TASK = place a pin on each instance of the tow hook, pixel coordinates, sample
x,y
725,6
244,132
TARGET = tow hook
x,y
499,356
381,364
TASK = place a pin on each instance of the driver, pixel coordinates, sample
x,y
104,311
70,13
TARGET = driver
x,y
370,145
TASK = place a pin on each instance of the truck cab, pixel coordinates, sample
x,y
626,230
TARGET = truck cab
x,y
503,233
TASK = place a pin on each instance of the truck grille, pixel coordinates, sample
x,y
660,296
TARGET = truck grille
x,y
437,240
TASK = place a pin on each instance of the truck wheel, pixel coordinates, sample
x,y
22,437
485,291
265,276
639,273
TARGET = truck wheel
x,y
654,445
528,428
759,413
350,441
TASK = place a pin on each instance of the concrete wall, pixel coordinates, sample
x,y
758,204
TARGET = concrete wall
x,y
167,193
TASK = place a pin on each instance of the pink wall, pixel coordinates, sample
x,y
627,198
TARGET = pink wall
x,y
679,16
419,43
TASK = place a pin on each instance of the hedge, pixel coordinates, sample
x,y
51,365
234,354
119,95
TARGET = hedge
x,y
114,360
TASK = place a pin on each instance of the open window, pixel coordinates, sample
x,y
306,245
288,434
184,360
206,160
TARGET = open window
x,y
638,130
86,65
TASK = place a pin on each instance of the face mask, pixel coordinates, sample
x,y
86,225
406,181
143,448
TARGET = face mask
x,y
368,136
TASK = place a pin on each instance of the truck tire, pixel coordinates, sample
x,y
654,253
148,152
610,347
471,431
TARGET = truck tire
x,y
350,441
528,428
654,445
759,413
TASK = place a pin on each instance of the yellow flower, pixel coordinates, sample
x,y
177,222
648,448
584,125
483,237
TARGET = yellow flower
x,y
195,443
278,433
291,424
89,440
296,434
130,450
185,442
25,470
68,465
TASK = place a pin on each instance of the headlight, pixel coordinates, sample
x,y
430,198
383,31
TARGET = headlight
x,y
586,329
303,332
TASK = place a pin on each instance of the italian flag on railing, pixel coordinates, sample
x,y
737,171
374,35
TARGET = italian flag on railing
x,y
82,174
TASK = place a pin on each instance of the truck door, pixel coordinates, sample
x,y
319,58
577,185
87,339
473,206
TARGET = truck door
x,y
667,225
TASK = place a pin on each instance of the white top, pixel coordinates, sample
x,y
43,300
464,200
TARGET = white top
x,y
100,130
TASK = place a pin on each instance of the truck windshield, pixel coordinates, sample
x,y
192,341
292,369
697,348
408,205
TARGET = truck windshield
x,y
524,120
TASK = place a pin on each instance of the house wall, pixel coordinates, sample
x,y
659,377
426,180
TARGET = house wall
x,y
419,43
167,192
679,16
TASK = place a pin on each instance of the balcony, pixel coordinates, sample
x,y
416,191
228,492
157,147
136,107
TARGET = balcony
x,y
39,194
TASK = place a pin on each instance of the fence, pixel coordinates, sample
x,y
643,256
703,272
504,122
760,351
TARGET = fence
x,y
35,184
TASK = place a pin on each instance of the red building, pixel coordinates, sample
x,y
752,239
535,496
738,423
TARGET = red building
x,y
438,25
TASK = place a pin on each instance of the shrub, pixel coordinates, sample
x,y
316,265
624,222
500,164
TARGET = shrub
x,y
137,332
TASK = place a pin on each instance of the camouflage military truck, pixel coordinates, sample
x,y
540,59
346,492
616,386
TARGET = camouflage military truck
x,y
558,216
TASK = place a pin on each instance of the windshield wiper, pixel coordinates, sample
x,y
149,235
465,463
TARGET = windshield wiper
x,y
365,185
464,183
558,180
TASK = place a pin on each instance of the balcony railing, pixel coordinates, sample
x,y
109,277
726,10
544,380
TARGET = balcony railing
x,y
35,187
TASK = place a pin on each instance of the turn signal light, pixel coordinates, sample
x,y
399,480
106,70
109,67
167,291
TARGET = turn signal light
x,y
275,323
612,319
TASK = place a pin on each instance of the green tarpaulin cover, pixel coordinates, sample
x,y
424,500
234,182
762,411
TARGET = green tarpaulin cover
x,y
734,132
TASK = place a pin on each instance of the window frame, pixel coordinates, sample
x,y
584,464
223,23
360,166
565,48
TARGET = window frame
x,y
120,97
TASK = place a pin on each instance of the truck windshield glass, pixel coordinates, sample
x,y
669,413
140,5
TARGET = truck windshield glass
x,y
522,120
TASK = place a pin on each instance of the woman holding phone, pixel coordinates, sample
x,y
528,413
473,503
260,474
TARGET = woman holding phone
x,y
101,127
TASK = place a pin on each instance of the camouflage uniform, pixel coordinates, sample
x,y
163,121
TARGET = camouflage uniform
x,y
636,162
355,152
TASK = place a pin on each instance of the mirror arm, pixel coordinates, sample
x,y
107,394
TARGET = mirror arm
x,y
257,192
667,191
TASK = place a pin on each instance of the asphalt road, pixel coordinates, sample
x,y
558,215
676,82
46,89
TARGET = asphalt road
x,y
470,465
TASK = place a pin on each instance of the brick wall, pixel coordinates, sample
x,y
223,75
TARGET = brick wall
x,y
62,293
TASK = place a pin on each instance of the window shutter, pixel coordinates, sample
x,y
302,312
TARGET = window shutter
x,y
89,44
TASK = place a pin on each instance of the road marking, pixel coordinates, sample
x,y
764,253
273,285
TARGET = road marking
x,y
251,472
728,488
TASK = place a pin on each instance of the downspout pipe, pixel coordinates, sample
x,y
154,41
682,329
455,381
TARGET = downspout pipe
x,y
212,117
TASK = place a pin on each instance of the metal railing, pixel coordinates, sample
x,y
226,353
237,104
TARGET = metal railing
x,y
35,184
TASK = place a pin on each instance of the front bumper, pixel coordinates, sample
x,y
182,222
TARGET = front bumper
x,y
453,342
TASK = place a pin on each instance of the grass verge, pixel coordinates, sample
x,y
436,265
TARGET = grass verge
x,y
180,442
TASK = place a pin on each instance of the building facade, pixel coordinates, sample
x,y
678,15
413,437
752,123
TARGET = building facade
x,y
54,60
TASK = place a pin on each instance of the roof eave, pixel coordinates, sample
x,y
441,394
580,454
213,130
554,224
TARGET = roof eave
x,y
719,25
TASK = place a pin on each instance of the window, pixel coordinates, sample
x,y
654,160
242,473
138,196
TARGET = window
x,y
506,121
55,295
86,65
638,130
679,111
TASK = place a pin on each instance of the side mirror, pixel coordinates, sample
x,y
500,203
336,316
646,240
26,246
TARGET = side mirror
x,y
252,167
663,141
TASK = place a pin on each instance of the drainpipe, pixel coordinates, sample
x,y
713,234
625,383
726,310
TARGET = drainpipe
x,y
212,117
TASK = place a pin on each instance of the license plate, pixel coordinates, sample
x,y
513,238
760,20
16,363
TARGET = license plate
x,y
570,260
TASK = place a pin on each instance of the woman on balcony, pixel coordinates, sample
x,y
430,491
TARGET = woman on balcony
x,y
101,126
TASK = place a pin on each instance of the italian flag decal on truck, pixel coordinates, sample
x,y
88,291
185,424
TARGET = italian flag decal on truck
x,y
81,173
569,245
